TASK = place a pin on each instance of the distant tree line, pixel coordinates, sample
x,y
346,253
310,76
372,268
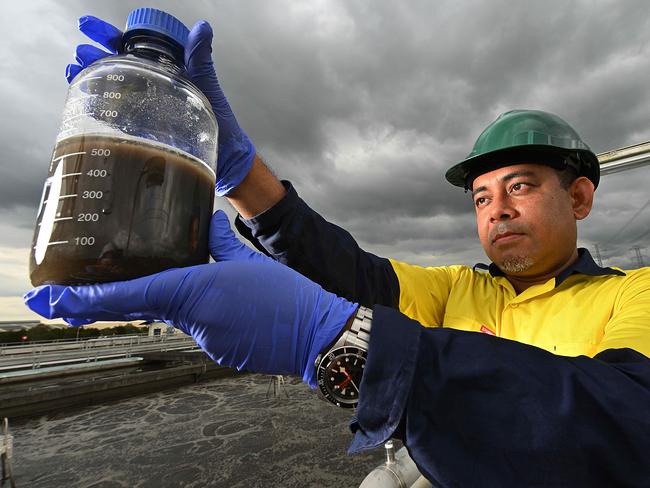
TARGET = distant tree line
x,y
44,332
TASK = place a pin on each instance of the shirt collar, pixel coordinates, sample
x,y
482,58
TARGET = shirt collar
x,y
585,264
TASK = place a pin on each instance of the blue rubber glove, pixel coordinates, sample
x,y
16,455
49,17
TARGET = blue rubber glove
x,y
245,311
224,244
259,316
236,150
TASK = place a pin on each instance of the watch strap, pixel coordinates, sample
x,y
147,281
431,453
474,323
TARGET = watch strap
x,y
356,337
359,333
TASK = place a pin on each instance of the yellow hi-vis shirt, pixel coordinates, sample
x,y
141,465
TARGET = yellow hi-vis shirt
x,y
583,315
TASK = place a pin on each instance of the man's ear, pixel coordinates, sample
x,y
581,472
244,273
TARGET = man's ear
x,y
581,192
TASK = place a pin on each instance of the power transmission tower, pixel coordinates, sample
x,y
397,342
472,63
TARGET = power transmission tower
x,y
598,258
639,257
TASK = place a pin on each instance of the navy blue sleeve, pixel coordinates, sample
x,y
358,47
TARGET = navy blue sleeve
x,y
294,234
478,410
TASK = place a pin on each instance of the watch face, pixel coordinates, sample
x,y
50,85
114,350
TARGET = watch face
x,y
339,375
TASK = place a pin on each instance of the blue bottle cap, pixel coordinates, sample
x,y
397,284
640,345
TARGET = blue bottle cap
x,y
158,22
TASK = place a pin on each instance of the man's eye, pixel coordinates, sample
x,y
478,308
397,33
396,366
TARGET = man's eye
x,y
480,201
517,186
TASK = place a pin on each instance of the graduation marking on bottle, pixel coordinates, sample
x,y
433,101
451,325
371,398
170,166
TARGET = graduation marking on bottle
x,y
62,197
67,156
50,208
56,243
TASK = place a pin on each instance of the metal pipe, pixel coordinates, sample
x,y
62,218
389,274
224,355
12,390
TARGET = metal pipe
x,y
399,471
624,159
390,452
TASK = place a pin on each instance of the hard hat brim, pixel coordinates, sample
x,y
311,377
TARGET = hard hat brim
x,y
464,173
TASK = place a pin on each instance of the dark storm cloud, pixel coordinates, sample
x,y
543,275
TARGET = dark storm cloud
x,y
363,105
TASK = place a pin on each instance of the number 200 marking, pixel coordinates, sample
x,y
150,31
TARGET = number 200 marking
x,y
88,217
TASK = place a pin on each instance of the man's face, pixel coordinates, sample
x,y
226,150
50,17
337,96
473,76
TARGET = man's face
x,y
526,220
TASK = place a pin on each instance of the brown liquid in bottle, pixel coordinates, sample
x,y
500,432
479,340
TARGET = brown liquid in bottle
x,y
115,209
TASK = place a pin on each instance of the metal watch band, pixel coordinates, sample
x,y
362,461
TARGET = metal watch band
x,y
359,333
343,363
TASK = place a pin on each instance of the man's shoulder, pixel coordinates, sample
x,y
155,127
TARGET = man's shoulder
x,y
454,272
628,282
453,268
635,275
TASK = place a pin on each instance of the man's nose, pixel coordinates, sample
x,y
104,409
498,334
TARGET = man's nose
x,y
501,208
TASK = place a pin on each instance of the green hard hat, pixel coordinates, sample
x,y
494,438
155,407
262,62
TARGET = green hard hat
x,y
526,136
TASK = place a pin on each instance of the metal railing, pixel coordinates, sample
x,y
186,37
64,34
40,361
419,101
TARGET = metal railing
x,y
49,353
10,345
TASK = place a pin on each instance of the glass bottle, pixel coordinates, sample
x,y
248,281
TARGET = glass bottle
x,y
130,187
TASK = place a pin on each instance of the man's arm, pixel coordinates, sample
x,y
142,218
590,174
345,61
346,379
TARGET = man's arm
x,y
321,251
259,191
476,410
294,234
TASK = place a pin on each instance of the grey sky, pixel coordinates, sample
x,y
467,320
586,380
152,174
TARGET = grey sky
x,y
363,105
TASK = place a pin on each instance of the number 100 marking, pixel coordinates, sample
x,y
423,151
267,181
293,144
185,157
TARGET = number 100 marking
x,y
84,241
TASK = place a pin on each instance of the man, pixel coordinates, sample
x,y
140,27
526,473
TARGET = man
x,y
555,391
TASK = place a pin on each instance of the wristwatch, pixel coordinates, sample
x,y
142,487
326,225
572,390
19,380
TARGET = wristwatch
x,y
339,370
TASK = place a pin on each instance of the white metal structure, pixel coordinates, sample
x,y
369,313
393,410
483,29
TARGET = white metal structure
x,y
624,159
6,454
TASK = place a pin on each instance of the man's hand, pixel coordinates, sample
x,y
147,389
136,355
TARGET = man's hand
x,y
224,245
236,151
248,312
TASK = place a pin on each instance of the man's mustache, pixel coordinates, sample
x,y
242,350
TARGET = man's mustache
x,y
506,228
